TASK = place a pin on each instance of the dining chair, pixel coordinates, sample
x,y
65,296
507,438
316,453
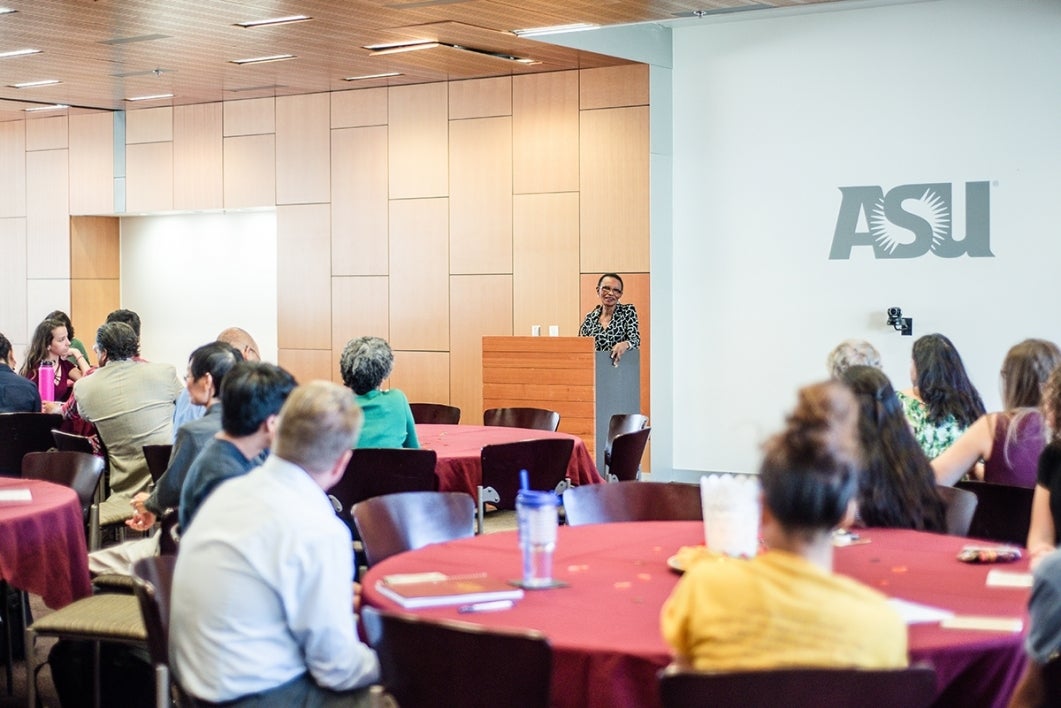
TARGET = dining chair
x,y
157,457
913,687
393,523
21,433
81,471
152,583
546,463
532,418
72,442
374,471
626,453
450,664
1003,512
959,507
632,501
622,423
107,617
435,413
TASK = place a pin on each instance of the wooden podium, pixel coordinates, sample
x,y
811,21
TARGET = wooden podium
x,y
566,375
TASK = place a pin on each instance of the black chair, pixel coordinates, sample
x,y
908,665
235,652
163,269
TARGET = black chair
x,y
960,506
393,523
81,471
448,664
546,463
626,453
374,471
914,687
21,433
152,585
435,413
530,418
622,423
1003,512
69,442
632,501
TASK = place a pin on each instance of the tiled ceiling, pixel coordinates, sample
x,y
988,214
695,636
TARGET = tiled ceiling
x,y
104,52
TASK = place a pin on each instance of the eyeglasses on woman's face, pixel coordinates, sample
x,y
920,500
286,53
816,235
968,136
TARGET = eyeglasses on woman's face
x,y
608,289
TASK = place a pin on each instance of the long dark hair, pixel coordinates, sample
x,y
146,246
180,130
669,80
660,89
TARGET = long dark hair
x,y
897,487
38,347
943,384
809,472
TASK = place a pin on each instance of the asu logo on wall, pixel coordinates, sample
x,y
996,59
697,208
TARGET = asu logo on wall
x,y
912,220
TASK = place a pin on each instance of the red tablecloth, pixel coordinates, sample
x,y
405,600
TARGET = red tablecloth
x,y
458,446
604,628
42,543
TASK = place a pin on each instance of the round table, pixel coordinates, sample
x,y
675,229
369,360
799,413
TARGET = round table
x,y
458,447
604,627
42,542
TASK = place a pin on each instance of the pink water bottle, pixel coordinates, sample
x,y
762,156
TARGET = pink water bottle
x,y
46,381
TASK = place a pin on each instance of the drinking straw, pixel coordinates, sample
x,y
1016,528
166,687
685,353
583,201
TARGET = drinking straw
x,y
524,480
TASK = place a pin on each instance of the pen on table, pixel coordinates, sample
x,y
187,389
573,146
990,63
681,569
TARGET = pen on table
x,y
492,606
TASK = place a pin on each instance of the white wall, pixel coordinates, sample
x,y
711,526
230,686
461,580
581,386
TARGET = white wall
x,y
773,113
189,276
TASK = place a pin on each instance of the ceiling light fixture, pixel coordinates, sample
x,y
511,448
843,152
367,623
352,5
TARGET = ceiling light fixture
x,y
153,97
263,60
56,107
274,21
400,48
34,84
555,29
373,76
6,10
19,53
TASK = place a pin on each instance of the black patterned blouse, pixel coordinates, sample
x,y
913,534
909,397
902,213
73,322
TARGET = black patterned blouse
x,y
622,328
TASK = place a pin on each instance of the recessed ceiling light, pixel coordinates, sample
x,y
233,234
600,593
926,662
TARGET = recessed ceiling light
x,y
19,53
403,48
56,107
372,76
34,84
274,21
555,29
153,97
263,60
6,10
403,43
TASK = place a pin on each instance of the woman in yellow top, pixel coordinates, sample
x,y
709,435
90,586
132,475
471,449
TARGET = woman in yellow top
x,y
786,608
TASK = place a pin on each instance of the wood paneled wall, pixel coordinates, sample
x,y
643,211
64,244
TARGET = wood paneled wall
x,y
430,215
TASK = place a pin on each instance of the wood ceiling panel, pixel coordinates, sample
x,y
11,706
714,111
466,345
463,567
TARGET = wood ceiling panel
x,y
106,51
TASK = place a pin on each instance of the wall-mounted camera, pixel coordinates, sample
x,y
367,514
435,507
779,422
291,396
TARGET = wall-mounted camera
x,y
905,325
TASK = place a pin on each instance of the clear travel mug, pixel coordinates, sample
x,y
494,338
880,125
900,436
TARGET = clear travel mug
x,y
536,514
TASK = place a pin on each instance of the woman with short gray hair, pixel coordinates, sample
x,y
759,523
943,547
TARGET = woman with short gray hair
x,y
364,364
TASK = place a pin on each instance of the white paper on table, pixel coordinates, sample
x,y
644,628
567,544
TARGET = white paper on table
x,y
1008,579
15,495
916,613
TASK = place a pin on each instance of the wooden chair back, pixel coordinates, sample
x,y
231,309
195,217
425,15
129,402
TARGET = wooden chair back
x,y
435,413
914,687
622,423
625,460
1003,512
375,471
546,463
157,457
449,664
21,433
393,523
959,507
81,471
152,584
531,418
632,501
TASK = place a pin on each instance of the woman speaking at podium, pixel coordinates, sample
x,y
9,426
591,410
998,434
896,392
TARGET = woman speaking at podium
x,y
611,324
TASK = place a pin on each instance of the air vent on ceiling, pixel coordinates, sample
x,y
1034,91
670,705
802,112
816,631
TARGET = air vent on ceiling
x,y
139,38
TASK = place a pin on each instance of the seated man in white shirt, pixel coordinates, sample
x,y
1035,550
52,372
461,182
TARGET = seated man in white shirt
x,y
262,608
